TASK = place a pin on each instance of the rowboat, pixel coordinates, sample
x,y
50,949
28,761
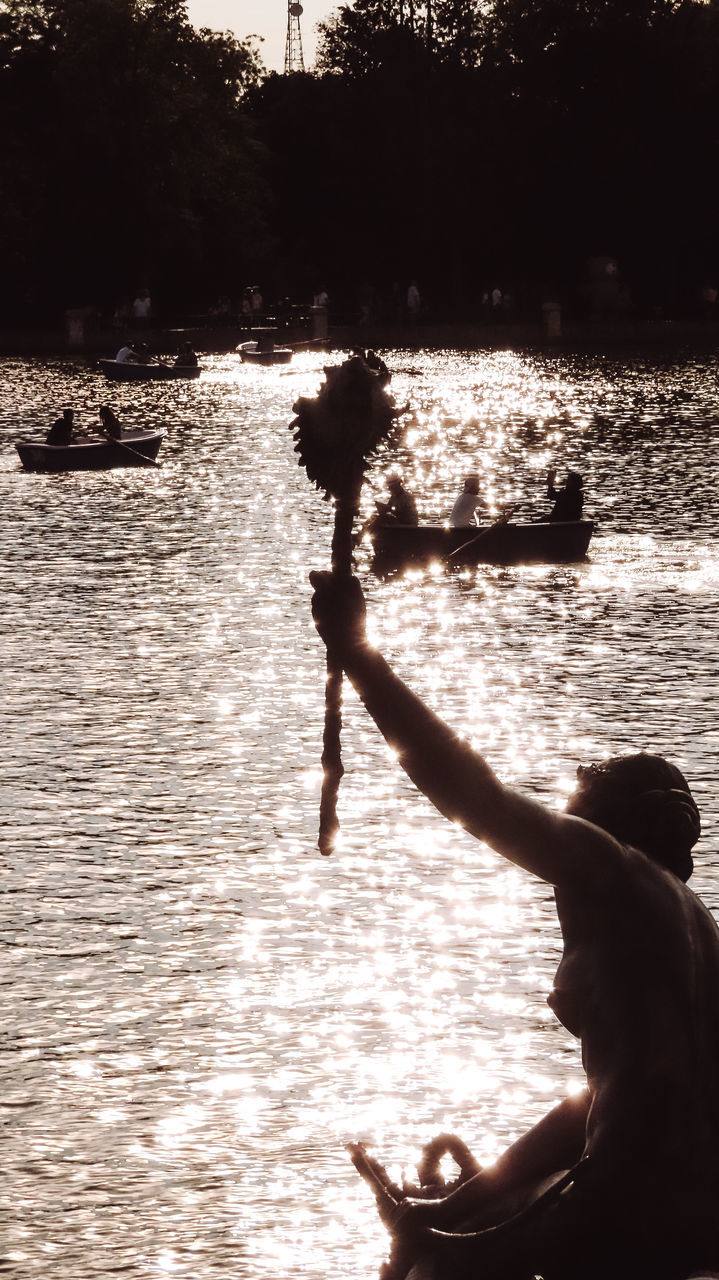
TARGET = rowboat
x,y
94,453
129,371
252,353
501,543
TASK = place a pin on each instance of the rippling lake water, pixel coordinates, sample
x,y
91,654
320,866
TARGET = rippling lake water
x,y
198,1009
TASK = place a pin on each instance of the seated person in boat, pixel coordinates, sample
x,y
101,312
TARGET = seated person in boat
x,y
143,355
60,432
622,1179
401,507
266,342
127,354
377,363
186,358
110,423
373,361
464,511
569,501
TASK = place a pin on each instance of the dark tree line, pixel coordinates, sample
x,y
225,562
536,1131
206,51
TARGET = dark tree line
x,y
457,142
513,142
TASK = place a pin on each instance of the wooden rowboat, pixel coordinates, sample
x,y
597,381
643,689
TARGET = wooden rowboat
x,y
252,353
129,371
502,544
95,453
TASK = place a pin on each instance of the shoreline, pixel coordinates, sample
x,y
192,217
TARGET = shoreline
x,y
588,335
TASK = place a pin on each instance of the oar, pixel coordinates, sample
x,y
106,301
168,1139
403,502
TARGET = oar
x,y
483,533
149,462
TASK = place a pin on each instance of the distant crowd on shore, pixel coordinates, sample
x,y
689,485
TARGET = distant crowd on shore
x,y
601,296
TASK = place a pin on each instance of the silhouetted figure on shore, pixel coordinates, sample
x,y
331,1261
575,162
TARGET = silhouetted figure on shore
x,y
142,309
221,311
569,501
620,1180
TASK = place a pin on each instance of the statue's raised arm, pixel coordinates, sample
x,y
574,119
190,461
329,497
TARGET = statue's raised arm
x,y
456,778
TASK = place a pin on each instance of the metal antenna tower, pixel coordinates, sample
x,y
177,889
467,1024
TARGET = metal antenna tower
x,y
293,47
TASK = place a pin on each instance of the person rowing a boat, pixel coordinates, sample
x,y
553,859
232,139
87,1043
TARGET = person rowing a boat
x,y
186,357
401,507
143,355
464,511
622,1179
110,424
128,354
377,363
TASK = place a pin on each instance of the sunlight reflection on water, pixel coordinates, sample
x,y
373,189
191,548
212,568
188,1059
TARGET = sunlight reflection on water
x,y
199,1010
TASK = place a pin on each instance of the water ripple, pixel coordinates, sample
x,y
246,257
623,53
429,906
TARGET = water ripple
x,y
199,1010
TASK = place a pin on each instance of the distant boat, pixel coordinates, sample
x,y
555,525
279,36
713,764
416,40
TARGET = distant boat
x,y
501,543
130,371
96,453
253,353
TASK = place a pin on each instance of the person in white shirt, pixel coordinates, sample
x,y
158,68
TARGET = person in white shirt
x,y
126,355
142,308
464,511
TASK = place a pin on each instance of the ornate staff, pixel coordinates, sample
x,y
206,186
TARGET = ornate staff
x,y
335,434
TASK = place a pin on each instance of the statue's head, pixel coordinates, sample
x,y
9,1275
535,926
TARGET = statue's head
x,y
644,801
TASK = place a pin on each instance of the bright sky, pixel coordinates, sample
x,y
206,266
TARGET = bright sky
x,y
266,18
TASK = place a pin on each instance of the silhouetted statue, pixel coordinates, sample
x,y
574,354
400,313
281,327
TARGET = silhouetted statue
x,y
622,1179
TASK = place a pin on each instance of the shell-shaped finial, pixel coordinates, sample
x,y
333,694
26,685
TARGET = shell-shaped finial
x,y
336,431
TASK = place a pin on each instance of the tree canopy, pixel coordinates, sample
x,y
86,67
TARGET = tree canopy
x,y
127,155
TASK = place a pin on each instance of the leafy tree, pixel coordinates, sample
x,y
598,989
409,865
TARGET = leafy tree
x,y
370,34
131,156
364,37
